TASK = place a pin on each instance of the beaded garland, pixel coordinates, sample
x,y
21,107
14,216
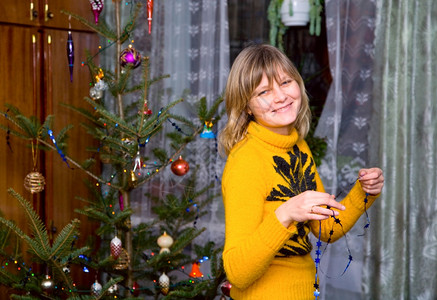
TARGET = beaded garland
x,y
319,253
50,132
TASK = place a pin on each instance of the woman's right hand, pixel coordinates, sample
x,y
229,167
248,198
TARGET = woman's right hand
x,y
309,205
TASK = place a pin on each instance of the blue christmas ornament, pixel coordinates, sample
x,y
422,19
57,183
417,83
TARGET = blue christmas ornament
x,y
207,131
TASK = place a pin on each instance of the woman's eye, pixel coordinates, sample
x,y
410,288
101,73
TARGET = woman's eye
x,y
262,93
286,82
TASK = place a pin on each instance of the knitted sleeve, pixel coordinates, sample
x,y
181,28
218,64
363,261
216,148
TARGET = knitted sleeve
x,y
253,237
354,203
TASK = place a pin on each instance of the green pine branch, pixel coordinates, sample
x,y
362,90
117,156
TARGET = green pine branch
x,y
40,243
101,28
205,114
56,256
65,239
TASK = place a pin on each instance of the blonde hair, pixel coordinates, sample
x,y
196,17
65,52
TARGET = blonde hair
x,y
245,76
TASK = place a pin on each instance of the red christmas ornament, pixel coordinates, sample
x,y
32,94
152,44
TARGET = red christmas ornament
x,y
226,288
180,167
147,110
149,14
116,247
136,289
195,271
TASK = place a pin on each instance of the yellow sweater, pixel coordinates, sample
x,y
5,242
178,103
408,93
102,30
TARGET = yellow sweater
x,y
262,258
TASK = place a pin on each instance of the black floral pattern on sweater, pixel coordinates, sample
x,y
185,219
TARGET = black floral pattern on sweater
x,y
298,172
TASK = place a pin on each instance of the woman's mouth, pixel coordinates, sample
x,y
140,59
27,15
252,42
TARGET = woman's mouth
x,y
283,108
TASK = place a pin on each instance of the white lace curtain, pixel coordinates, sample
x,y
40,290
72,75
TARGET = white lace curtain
x,y
189,42
345,123
380,111
401,254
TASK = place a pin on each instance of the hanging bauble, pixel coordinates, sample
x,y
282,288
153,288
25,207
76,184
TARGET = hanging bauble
x,y
99,75
136,289
165,241
149,14
195,271
164,284
147,111
34,182
96,94
47,284
130,57
113,289
133,178
137,161
207,132
96,7
70,54
116,247
225,287
66,269
180,167
122,261
96,288
101,85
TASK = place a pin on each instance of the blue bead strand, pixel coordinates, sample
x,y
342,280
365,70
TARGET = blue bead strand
x,y
50,132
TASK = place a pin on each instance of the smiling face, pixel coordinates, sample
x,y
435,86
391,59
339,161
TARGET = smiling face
x,y
276,105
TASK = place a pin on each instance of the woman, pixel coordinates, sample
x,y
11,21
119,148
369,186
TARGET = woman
x,y
272,193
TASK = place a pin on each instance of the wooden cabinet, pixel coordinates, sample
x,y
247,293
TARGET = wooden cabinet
x,y
19,62
47,13
35,77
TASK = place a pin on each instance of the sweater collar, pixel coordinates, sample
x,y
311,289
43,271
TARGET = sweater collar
x,y
271,139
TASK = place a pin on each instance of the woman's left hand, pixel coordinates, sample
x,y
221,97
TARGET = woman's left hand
x,y
372,180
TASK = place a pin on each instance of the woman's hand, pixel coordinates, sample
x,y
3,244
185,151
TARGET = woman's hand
x,y
309,205
372,180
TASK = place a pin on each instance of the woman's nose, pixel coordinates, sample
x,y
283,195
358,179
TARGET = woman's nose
x,y
278,94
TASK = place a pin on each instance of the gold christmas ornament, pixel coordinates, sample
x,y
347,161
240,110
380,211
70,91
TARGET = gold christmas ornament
x,y
34,182
165,241
133,177
164,284
122,261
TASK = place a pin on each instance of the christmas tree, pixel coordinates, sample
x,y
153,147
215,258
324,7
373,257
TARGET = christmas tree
x,y
147,260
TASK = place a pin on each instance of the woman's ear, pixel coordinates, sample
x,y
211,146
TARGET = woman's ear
x,y
249,112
